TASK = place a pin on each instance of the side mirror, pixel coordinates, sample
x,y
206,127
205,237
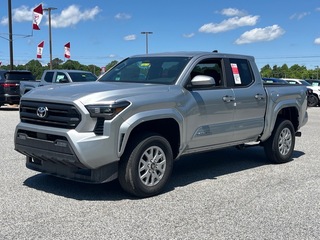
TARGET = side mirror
x,y
203,81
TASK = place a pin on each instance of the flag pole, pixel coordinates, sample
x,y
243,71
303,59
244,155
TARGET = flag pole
x,y
50,38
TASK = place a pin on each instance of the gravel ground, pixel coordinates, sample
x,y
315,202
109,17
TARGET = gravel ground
x,y
226,194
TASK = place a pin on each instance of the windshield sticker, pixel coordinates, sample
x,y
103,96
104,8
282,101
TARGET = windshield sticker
x,y
235,72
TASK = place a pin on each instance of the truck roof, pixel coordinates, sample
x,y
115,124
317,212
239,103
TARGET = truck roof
x,y
67,70
194,54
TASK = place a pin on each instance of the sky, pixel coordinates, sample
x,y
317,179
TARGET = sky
x,y
101,31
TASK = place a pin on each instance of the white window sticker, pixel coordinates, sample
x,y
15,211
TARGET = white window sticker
x,y
235,72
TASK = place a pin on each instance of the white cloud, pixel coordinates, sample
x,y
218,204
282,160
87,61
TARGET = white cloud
x,y
20,14
190,35
229,24
299,16
260,35
68,17
72,15
122,16
317,41
232,12
130,37
4,21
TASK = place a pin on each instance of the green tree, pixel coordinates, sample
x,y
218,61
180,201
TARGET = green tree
x,y
266,71
94,69
284,70
111,64
56,62
35,67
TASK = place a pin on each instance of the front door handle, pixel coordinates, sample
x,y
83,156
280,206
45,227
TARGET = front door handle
x,y
259,96
228,98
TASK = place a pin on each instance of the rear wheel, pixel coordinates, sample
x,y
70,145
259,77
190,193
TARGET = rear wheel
x,y
280,145
312,100
146,165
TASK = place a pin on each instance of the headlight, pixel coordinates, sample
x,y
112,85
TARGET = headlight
x,y
106,111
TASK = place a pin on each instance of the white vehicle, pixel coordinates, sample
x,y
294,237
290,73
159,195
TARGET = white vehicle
x,y
314,98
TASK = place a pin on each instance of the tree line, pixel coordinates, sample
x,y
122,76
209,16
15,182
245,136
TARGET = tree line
x,y
295,71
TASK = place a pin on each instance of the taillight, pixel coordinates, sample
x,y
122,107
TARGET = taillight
x,y
7,85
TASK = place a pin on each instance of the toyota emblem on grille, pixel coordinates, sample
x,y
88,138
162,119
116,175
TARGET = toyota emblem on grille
x,y
42,112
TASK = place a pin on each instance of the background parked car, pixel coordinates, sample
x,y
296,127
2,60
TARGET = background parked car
x,y
314,82
274,81
313,96
57,76
10,85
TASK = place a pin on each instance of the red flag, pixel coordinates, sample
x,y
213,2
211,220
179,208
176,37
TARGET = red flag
x,y
67,50
40,49
37,16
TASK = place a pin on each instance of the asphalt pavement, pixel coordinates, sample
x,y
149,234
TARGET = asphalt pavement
x,y
226,194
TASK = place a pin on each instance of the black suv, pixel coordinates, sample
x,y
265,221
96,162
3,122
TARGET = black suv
x,y
10,85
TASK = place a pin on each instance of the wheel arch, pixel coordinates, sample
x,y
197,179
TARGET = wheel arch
x,y
168,126
290,113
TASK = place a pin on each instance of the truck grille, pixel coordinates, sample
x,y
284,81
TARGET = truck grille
x,y
49,114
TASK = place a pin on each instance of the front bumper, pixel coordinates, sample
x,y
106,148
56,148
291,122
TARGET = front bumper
x,y
67,153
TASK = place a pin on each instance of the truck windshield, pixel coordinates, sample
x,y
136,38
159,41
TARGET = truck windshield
x,y
153,70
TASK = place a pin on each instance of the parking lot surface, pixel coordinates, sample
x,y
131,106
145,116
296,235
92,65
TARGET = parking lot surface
x,y
226,194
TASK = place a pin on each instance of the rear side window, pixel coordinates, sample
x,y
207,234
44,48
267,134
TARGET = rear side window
x,y
82,77
242,72
48,77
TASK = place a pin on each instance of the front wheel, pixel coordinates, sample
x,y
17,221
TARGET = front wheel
x,y
280,145
146,165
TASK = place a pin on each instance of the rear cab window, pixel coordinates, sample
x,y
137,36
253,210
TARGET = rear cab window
x,y
242,75
19,76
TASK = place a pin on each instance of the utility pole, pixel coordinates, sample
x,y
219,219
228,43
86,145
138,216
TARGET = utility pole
x,y
146,33
10,34
50,38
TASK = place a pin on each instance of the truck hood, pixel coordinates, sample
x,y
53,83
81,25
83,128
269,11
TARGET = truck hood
x,y
92,92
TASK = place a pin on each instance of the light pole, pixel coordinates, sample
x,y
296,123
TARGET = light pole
x,y
50,38
10,34
146,33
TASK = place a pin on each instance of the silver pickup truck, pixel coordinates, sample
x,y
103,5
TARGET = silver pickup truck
x,y
57,76
149,110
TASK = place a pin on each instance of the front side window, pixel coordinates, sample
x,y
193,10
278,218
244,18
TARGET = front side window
x,y
211,68
157,70
61,78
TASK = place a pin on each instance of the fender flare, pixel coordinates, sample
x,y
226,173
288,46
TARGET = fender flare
x,y
127,126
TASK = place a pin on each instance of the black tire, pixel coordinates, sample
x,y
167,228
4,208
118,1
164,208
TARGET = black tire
x,y
280,145
146,165
312,100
